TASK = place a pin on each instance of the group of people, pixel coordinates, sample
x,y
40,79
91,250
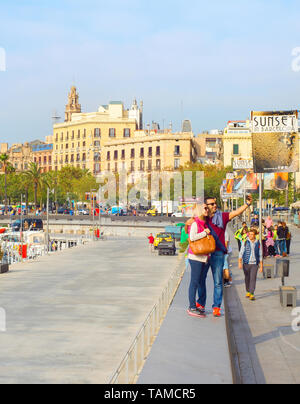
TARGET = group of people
x,y
209,221
276,238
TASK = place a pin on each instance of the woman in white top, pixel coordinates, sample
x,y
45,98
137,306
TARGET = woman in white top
x,y
197,230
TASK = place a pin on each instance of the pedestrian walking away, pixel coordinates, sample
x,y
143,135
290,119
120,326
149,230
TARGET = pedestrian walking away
x,y
151,242
217,222
250,260
197,230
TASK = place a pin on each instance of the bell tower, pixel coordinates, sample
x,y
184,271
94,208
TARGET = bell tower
x,y
73,105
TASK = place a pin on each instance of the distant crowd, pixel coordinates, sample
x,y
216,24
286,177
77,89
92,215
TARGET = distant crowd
x,y
276,237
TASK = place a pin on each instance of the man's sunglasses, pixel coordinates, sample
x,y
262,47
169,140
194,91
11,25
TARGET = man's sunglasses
x,y
212,204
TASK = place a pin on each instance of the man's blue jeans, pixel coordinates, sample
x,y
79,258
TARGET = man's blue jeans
x,y
216,263
282,247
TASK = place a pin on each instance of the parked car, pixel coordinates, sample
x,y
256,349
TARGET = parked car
x,y
65,211
27,224
279,210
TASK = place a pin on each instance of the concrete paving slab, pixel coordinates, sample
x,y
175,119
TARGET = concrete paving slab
x,y
273,347
71,316
189,350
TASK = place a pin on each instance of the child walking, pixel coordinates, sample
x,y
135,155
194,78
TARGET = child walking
x,y
250,260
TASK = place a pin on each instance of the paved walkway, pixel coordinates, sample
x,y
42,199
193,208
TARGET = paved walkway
x,y
267,350
72,316
189,350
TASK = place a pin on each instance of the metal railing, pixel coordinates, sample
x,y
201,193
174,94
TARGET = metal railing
x,y
133,361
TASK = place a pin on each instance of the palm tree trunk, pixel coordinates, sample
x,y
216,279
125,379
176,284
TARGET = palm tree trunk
x,y
5,187
35,195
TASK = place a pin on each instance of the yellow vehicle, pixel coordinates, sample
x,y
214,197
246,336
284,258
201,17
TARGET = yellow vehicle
x,y
160,237
152,212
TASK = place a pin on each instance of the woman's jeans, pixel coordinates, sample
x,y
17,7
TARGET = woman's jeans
x,y
198,282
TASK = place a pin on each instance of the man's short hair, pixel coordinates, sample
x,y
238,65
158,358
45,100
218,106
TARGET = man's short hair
x,y
253,230
209,198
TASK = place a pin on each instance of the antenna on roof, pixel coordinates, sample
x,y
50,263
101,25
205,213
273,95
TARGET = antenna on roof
x,y
55,117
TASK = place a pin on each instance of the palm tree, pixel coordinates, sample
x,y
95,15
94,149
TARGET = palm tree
x,y
35,175
6,168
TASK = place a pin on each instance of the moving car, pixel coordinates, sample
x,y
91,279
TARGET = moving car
x,y
162,237
167,247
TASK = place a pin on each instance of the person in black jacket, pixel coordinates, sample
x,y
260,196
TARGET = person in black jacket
x,y
282,233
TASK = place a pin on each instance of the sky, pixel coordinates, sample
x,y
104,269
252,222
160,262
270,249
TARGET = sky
x,y
209,62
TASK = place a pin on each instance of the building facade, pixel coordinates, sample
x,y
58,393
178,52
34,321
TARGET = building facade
x,y
210,147
79,140
42,156
237,142
149,151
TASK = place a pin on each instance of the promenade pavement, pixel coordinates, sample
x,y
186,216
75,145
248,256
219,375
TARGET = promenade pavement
x,y
189,350
266,349
72,316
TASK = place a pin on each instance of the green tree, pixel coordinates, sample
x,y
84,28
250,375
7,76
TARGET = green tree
x,y
35,175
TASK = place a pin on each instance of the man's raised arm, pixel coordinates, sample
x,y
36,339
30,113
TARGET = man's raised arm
x,y
242,209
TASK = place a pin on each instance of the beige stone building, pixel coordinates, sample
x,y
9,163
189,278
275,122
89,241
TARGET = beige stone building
x,y
79,140
237,142
149,151
209,146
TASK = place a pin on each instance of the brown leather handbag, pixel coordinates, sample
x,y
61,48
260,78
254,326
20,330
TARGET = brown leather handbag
x,y
205,246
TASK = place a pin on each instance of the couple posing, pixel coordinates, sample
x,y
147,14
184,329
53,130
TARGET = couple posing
x,y
207,219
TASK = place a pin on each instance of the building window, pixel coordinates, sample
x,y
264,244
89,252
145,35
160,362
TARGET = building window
x,y
142,165
132,166
158,150
158,164
142,154
236,149
177,151
150,152
96,143
126,132
97,157
78,157
49,159
112,132
116,155
78,134
97,132
116,167
45,159
84,133
73,134
67,136
72,158
108,167
132,154
66,159
123,165
123,155
108,156
67,145
176,163
56,137
150,165
83,157
62,136
97,168
83,144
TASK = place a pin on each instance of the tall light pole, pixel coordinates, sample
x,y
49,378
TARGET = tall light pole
x,y
47,232
93,208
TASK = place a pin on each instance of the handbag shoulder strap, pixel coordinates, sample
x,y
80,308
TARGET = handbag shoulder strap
x,y
219,244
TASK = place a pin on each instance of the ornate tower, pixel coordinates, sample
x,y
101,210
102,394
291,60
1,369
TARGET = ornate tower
x,y
73,106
